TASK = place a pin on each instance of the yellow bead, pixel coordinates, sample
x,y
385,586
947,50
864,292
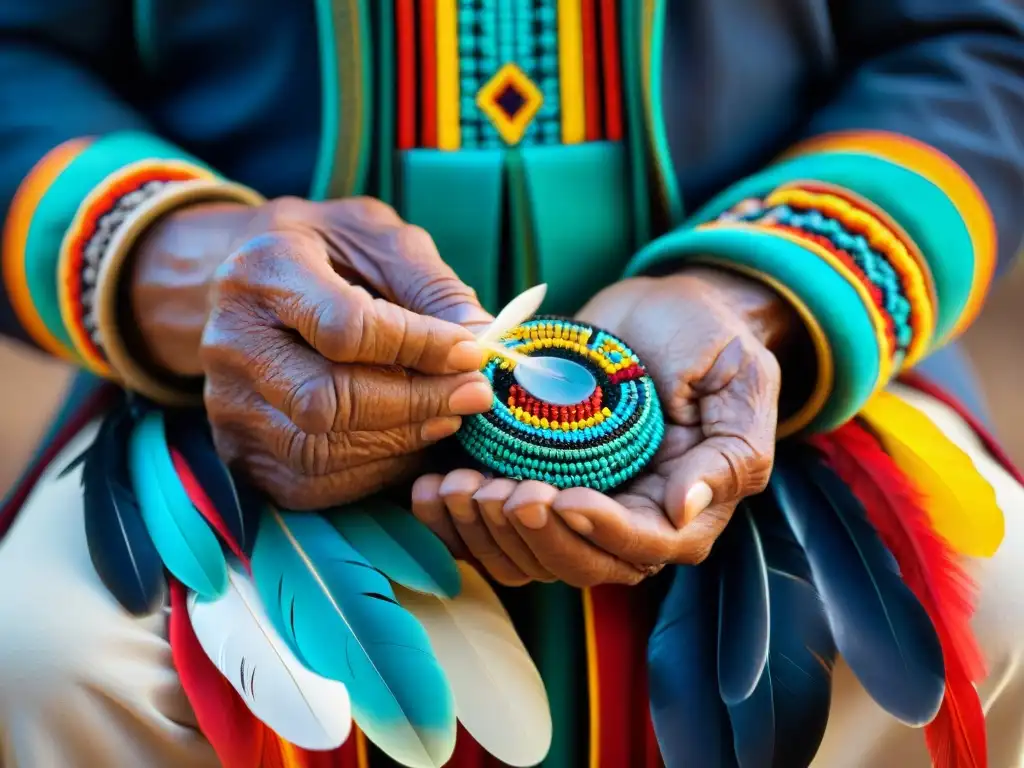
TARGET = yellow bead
x,y
544,423
606,411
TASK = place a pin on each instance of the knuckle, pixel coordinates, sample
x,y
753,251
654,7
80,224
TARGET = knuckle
x,y
370,210
697,554
312,405
338,326
415,244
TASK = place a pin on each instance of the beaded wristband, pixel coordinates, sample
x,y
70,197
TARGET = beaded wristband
x,y
600,442
108,305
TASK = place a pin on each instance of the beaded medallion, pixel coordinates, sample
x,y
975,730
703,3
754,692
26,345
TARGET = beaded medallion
x,y
601,441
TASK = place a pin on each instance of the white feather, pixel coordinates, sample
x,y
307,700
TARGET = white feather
x,y
499,695
302,707
518,311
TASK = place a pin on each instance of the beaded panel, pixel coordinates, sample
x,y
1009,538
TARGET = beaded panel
x,y
600,442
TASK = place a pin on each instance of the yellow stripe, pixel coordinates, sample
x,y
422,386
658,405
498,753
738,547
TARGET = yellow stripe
x,y
362,752
570,60
819,340
593,682
448,134
288,755
944,173
15,238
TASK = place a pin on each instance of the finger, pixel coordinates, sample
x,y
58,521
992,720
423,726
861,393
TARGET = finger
x,y
561,551
321,396
429,508
738,404
491,500
458,489
290,275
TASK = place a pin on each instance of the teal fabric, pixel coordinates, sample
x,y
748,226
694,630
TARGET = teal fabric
x,y
921,208
830,297
59,205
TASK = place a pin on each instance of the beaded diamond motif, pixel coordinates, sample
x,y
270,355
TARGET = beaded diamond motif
x,y
599,443
511,100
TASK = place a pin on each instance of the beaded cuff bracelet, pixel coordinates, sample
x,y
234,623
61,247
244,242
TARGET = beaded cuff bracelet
x,y
600,442
87,242
871,246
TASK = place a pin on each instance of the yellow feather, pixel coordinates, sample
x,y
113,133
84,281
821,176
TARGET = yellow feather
x,y
960,501
499,695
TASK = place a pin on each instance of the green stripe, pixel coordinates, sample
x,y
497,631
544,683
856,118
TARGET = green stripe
x,y
662,158
385,131
144,26
833,301
329,98
632,69
60,203
915,203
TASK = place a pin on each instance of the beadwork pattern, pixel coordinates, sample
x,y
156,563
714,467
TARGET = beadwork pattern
x,y
599,443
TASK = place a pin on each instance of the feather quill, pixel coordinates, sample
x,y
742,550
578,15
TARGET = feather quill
x,y
960,502
516,312
499,695
743,612
341,617
878,624
186,544
189,437
300,706
956,738
400,546
234,733
690,720
121,549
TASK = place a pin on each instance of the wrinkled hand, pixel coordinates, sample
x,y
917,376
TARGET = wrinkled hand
x,y
705,337
333,352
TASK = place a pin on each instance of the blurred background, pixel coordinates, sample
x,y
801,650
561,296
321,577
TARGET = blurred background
x,y
31,384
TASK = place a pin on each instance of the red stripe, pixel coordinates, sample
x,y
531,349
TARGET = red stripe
x,y
612,70
469,754
591,71
405,33
428,71
615,638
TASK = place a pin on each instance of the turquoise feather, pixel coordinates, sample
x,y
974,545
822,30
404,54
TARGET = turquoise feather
x,y
187,546
341,617
399,546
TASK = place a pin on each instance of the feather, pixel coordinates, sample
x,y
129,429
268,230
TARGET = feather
x,y
189,436
234,733
300,706
689,718
516,312
186,544
197,495
801,654
960,502
878,625
121,549
499,695
400,546
743,612
340,616
934,574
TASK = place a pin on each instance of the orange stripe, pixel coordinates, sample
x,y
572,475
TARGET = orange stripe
x,y
15,239
405,33
612,70
593,681
944,173
428,72
591,71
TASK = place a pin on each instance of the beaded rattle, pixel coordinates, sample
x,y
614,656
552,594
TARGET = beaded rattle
x,y
573,405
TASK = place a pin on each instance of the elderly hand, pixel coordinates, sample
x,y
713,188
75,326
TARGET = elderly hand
x,y
705,337
333,350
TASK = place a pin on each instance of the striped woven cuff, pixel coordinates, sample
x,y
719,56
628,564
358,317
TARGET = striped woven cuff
x,y
64,209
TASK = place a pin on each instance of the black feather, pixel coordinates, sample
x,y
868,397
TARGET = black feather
x,y
802,653
121,549
239,507
878,625
743,612
689,717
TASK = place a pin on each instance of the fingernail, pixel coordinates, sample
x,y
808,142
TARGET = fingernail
x,y
474,397
697,500
534,516
467,356
439,428
578,522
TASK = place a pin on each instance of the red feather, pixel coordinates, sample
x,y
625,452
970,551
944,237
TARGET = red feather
x,y
934,573
234,732
202,502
